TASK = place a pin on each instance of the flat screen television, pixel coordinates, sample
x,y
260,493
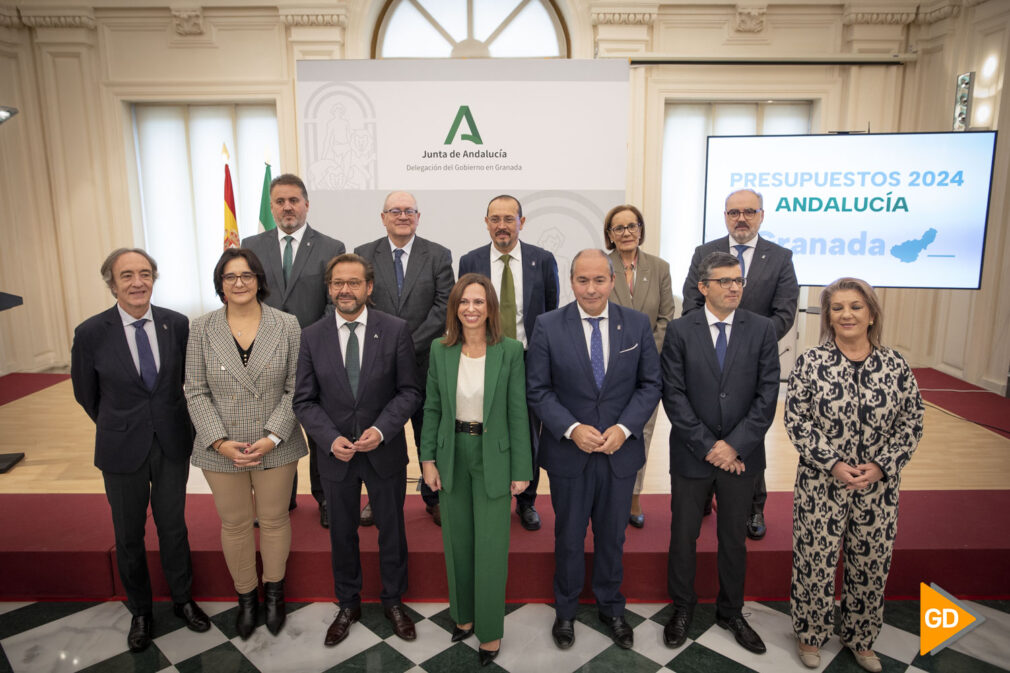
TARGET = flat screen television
x,y
895,209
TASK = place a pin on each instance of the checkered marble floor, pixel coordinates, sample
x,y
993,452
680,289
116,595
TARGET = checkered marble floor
x,y
56,637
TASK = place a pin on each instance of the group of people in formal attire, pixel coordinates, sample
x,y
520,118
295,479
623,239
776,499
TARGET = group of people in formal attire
x,y
320,351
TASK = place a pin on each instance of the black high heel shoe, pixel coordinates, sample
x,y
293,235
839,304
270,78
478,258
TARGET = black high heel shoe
x,y
459,634
273,605
487,656
248,609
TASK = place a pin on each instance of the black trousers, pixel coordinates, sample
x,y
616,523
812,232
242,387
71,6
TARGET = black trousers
x,y
343,503
687,503
162,483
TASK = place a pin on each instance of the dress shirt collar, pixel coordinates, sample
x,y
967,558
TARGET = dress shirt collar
x,y
362,319
712,320
128,319
406,249
298,235
605,314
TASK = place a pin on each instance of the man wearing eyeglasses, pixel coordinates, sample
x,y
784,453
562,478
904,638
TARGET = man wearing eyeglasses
x,y
772,291
294,256
413,277
526,280
720,387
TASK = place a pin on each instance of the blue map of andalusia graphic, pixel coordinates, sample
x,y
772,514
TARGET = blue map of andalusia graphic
x,y
909,251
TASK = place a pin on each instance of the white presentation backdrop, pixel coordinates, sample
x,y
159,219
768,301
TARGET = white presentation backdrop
x,y
456,134
898,210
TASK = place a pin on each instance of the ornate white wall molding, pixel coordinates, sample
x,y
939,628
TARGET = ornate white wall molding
x,y
314,17
600,17
884,16
939,11
9,18
187,20
50,17
750,19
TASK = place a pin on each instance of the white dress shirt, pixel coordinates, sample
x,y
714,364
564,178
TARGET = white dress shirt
x,y
712,320
131,336
748,254
296,241
497,269
406,253
344,334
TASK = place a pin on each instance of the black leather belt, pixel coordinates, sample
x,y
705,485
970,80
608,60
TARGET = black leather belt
x,y
470,428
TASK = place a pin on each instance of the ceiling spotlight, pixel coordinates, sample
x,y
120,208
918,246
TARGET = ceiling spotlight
x,y
6,113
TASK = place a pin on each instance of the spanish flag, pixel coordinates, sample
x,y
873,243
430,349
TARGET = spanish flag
x,y
230,223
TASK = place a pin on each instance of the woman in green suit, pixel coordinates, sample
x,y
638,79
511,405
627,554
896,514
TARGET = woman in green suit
x,y
475,449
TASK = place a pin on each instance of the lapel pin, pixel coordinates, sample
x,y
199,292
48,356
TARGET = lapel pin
x,y
222,367
375,336
618,326
533,263
164,326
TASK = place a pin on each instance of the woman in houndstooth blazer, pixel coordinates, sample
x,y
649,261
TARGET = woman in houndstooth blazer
x,y
240,378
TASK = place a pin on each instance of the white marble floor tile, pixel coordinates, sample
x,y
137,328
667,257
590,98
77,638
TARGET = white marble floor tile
x,y
170,669
897,643
990,641
529,647
649,642
299,648
776,631
215,607
71,643
428,609
431,639
646,609
7,607
181,644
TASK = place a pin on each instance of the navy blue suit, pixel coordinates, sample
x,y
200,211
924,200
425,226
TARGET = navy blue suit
x,y
562,391
705,404
540,295
388,393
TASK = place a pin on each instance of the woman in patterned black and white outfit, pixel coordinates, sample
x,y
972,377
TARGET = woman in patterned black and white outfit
x,y
854,414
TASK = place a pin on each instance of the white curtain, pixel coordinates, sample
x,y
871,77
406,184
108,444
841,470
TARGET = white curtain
x,y
181,171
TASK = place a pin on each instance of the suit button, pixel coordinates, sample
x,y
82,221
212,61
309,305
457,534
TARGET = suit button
x,y
722,396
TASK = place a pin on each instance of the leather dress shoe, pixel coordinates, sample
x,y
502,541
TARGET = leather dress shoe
x,y
139,637
637,520
620,631
459,634
756,526
366,515
324,515
403,625
744,634
341,625
528,517
487,656
273,606
248,611
436,513
195,618
563,633
675,631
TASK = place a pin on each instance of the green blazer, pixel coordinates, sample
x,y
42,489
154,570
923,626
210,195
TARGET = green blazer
x,y
506,439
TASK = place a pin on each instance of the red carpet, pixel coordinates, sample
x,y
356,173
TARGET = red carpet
x,y
16,386
967,401
61,546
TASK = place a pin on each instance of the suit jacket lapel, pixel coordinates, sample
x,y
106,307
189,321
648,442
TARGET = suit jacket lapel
x,y
117,337
335,361
268,337
273,264
301,259
737,334
622,294
452,355
492,368
385,274
529,278
484,261
615,327
164,335
577,337
369,340
643,278
418,258
758,264
703,338
223,345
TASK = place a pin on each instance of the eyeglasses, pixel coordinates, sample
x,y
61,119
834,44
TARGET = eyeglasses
x,y
748,213
621,228
496,220
396,212
724,283
354,284
246,277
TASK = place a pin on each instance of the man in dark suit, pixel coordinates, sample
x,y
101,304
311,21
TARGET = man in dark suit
x,y
593,380
355,389
126,365
772,291
720,387
523,297
294,256
413,277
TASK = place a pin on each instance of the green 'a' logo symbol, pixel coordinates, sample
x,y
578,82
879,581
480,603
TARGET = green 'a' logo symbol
x,y
461,116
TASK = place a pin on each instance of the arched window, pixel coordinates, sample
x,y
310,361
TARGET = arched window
x,y
470,29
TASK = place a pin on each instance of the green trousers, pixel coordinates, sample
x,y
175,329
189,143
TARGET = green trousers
x,y
475,532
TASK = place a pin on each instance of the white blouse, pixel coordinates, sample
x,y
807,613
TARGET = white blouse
x,y
470,389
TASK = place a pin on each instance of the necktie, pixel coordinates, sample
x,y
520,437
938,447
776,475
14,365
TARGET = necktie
x,y
720,343
148,370
596,351
739,255
288,258
398,263
508,299
351,361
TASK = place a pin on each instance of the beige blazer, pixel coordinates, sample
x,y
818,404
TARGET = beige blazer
x,y
653,291
243,403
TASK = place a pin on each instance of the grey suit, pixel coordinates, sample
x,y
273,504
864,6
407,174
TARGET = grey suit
x,y
427,282
304,295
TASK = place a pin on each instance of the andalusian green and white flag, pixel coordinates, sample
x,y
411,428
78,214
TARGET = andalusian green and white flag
x,y
266,217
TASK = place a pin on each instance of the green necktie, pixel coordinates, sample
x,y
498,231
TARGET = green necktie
x,y
508,299
288,258
352,362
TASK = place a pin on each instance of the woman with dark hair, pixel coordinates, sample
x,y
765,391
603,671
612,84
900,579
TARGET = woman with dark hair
x,y
240,378
854,413
475,449
644,286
